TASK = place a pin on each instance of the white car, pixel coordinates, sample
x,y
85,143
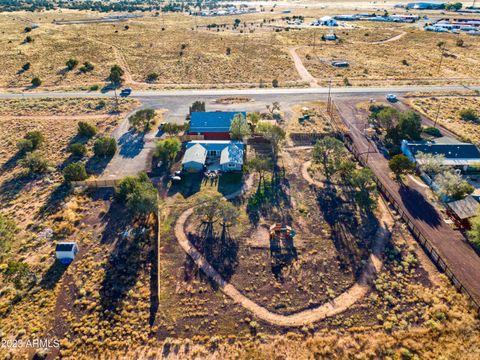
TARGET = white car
x,y
392,98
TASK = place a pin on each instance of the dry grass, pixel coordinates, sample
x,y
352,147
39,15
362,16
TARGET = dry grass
x,y
382,63
449,117
63,107
318,122
154,44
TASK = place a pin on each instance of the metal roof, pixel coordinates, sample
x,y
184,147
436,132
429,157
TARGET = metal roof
x,y
233,153
465,208
67,246
453,152
196,153
213,121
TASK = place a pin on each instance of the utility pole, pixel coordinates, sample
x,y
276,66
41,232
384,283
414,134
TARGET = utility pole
x,y
438,113
329,100
442,48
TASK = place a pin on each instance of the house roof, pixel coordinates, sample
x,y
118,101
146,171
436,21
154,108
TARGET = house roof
x,y
465,208
195,153
230,151
233,153
67,246
213,121
456,153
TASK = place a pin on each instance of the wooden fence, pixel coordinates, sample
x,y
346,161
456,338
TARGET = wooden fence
x,y
429,248
110,183
188,137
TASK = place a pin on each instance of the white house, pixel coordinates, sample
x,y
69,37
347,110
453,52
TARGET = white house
x,y
328,21
65,252
224,155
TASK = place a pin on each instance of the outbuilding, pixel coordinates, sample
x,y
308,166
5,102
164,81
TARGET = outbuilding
x,y
65,252
463,210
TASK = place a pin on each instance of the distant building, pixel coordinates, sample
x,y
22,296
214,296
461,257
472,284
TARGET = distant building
x,y
65,252
426,5
212,125
219,155
456,154
325,21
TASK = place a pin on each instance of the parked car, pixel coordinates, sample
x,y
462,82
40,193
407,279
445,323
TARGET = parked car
x,y
392,98
125,92
341,64
175,178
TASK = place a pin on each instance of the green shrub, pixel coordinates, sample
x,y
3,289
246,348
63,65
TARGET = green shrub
x,y
87,67
432,131
138,194
469,115
78,149
105,147
152,77
71,63
94,87
86,129
31,141
75,172
36,81
35,163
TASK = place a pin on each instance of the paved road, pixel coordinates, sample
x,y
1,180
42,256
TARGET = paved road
x,y
450,244
361,91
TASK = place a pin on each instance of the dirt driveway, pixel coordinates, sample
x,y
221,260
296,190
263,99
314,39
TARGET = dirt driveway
x,y
449,243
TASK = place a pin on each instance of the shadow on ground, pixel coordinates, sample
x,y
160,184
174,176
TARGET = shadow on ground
x,y
131,144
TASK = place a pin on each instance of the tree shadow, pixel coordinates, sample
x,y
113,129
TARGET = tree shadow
x,y
12,162
229,183
130,255
219,249
282,253
272,200
188,186
418,206
53,275
96,165
350,236
11,188
131,143
56,197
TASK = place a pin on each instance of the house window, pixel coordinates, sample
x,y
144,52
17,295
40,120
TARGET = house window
x,y
231,165
213,153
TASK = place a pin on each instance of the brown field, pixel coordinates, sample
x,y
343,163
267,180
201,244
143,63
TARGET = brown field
x,y
182,57
377,63
449,116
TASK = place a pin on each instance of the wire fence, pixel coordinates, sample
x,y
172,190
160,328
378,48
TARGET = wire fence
x,y
429,248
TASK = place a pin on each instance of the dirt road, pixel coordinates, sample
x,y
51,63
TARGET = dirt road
x,y
301,69
449,243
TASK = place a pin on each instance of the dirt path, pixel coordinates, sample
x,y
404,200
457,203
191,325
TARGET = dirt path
x,y
301,69
393,38
336,306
